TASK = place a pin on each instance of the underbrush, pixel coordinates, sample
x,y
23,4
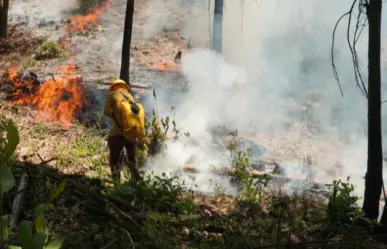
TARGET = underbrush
x,y
158,193
160,212
28,234
175,218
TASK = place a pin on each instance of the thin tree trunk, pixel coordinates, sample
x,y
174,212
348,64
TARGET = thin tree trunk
x,y
4,19
217,33
373,179
125,57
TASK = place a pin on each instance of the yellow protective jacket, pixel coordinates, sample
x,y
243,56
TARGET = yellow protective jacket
x,y
131,124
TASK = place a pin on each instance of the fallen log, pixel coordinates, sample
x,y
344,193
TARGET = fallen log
x,y
18,201
254,173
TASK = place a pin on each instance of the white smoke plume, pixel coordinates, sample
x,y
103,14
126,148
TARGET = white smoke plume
x,y
36,13
277,58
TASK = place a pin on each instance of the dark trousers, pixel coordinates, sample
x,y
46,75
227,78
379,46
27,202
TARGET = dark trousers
x,y
116,145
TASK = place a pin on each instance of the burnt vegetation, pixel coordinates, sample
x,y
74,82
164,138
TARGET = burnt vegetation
x,y
55,183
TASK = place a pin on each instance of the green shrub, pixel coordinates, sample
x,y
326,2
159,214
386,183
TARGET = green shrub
x,y
49,50
252,189
161,193
30,62
342,210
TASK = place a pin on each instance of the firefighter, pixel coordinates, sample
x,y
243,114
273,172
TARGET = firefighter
x,y
118,92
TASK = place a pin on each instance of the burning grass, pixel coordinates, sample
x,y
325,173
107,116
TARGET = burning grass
x,y
166,66
57,99
80,22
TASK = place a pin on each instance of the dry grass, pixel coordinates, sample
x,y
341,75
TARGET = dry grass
x,y
78,150
161,49
19,45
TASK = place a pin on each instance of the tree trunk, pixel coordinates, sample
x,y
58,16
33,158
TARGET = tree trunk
x,y
4,18
373,179
217,26
125,56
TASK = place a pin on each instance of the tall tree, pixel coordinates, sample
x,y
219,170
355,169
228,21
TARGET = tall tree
x,y
217,26
125,56
373,178
3,18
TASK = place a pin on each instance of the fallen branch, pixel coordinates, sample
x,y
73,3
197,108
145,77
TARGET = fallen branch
x,y
52,76
5,198
122,202
254,173
18,201
45,161
86,192
110,244
129,236
93,208
48,161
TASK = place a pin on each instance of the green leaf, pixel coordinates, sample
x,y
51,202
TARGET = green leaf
x,y
7,181
40,223
58,190
41,208
3,227
56,243
38,241
12,139
14,247
25,234
48,182
155,216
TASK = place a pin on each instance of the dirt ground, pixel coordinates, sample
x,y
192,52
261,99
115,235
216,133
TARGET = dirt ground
x,y
19,45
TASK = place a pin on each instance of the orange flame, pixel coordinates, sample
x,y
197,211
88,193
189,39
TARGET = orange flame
x,y
12,73
55,99
166,66
79,22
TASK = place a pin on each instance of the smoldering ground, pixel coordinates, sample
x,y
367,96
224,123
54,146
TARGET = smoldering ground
x,y
33,14
275,78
